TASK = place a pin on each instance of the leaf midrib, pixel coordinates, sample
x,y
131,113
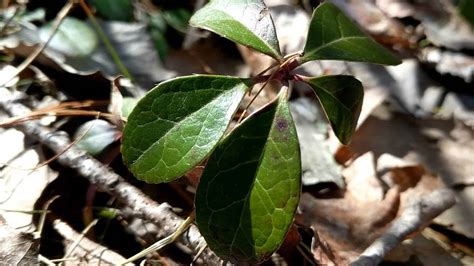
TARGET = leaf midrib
x,y
247,198
332,96
264,42
313,52
178,123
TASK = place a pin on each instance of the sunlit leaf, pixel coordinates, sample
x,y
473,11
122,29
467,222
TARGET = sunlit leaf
x,y
250,188
341,98
247,22
128,103
177,124
74,38
95,136
333,36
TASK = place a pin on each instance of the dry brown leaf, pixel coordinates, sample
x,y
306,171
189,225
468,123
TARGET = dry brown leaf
x,y
368,206
17,248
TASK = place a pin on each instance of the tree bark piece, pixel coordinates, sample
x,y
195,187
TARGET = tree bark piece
x,y
86,249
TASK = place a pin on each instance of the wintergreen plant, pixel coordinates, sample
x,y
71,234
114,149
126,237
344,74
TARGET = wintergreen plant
x,y
249,191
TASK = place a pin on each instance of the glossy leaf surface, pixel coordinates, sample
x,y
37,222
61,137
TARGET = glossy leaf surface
x,y
333,36
247,22
250,188
178,123
341,98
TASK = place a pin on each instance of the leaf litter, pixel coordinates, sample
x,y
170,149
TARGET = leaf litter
x,y
394,161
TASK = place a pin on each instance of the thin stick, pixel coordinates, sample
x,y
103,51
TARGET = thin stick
x,y
45,260
54,28
201,250
24,211
165,241
42,219
63,260
110,48
65,149
39,114
78,240
301,249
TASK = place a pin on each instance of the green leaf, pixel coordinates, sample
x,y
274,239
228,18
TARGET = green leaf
x,y
341,98
74,38
95,136
157,21
121,10
177,18
160,43
178,123
128,104
247,22
333,36
466,9
249,191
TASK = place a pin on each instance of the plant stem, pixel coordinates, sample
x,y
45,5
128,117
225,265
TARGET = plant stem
x,y
108,45
290,63
42,219
165,241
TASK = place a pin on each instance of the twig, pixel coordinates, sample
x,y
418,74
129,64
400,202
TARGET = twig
x,y
201,250
86,248
42,219
107,180
79,238
40,114
45,260
74,142
165,241
54,28
417,215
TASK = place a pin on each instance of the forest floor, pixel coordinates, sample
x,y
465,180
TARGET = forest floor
x,y
403,190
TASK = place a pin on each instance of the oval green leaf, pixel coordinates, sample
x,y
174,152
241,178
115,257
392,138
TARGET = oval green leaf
x,y
249,191
333,36
247,22
178,123
95,136
74,38
341,98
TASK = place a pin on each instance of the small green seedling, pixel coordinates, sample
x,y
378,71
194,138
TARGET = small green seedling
x,y
250,189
